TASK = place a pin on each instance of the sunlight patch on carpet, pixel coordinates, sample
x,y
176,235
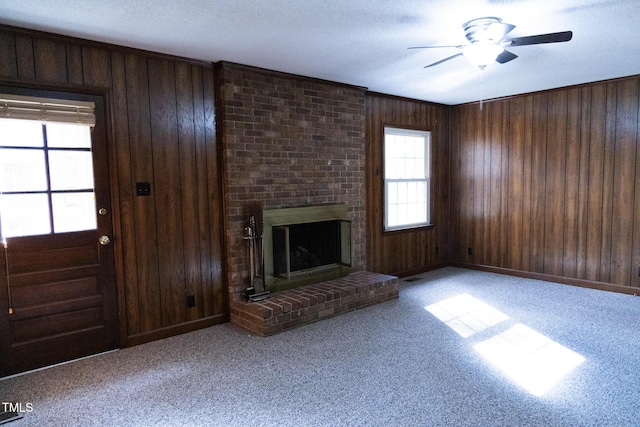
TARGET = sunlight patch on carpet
x,y
529,358
466,315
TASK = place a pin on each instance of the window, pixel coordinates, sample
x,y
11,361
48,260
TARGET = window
x,y
406,178
46,178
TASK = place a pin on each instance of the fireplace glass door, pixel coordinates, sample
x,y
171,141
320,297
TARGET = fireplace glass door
x,y
310,248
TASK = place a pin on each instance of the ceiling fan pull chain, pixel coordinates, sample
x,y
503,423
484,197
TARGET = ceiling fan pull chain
x,y
481,87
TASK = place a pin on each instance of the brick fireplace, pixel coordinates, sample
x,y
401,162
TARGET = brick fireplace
x,y
289,142
293,142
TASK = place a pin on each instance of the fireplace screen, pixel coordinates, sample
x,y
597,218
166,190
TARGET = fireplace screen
x,y
306,245
309,246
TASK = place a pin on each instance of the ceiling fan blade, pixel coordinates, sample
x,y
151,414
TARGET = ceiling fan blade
x,y
506,56
443,60
434,47
497,31
563,36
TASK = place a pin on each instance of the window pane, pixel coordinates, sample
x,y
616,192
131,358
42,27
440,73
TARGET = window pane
x,y
70,170
24,215
22,170
392,215
21,133
406,177
61,135
392,193
405,156
73,212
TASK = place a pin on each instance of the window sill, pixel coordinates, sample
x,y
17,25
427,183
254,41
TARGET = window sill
x,y
409,229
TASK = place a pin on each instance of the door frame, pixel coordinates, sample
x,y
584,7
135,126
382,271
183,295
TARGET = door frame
x,y
69,90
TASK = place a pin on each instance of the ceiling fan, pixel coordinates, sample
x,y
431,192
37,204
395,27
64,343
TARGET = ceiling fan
x,y
487,42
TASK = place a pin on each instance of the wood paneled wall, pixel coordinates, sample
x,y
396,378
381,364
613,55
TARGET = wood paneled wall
x,y
549,183
162,119
409,251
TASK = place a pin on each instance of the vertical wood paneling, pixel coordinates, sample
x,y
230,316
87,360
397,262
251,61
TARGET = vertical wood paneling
x,y
608,183
496,185
635,249
413,250
162,131
554,183
205,308
144,218
188,184
596,178
476,242
96,67
538,177
515,144
583,186
564,169
8,67
24,57
527,229
626,128
74,64
571,214
50,60
218,287
126,196
168,206
504,186
464,195
483,253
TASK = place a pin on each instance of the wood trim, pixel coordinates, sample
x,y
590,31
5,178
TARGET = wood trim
x,y
551,278
414,271
576,86
101,45
169,331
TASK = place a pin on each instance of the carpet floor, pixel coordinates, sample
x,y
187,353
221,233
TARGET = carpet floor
x,y
457,348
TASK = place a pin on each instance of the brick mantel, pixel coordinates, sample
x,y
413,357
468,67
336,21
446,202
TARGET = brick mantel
x,y
289,141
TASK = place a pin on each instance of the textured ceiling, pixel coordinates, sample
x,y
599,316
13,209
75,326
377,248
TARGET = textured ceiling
x,y
362,42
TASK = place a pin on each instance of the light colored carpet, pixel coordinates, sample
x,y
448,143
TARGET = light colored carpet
x,y
392,364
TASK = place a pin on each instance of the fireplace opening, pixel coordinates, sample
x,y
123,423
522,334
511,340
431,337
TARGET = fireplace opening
x,y
306,245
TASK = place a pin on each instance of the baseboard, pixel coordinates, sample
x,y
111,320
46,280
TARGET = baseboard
x,y
603,286
158,334
415,271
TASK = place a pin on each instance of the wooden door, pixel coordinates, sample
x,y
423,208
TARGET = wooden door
x,y
58,295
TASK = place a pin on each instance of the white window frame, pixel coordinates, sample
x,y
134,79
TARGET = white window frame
x,y
391,222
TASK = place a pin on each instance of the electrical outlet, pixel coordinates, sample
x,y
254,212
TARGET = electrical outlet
x,y
191,301
143,188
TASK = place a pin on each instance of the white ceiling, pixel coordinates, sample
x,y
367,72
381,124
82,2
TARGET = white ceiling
x,y
362,42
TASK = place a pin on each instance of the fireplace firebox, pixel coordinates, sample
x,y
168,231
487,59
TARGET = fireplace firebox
x,y
305,245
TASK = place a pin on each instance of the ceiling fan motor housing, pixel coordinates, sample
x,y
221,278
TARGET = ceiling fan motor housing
x,y
476,29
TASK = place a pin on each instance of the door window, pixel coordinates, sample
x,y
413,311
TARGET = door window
x,y
46,178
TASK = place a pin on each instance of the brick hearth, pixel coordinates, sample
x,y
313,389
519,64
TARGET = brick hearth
x,y
295,307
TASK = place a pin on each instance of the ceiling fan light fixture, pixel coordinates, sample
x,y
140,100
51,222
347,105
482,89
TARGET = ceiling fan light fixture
x,y
482,54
